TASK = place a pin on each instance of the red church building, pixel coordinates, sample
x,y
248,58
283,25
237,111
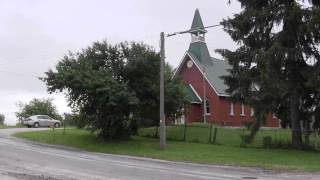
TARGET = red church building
x,y
201,74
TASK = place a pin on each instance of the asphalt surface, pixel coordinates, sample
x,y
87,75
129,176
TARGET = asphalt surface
x,y
20,159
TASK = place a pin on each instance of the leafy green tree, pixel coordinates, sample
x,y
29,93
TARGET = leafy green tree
x,y
115,87
36,106
142,73
277,60
95,85
2,118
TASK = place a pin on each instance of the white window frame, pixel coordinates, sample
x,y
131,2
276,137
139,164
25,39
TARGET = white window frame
x,y
242,110
208,107
252,112
231,109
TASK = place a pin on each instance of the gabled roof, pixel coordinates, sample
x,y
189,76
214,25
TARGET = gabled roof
x,y
213,72
194,97
200,52
214,68
197,23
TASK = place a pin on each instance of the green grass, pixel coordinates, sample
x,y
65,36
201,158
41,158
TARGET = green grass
x,y
283,159
200,133
6,126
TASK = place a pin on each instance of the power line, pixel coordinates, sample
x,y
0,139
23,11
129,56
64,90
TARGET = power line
x,y
191,30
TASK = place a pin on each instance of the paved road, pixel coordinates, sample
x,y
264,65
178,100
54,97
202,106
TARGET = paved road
x,y
21,159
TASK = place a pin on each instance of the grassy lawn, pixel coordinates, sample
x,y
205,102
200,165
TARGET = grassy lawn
x,y
183,151
200,133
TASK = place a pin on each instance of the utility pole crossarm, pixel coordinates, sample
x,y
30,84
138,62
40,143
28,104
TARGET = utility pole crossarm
x,y
190,30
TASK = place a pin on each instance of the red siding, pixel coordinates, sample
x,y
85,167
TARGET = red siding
x,y
219,106
194,113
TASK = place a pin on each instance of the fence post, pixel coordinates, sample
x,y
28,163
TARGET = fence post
x,y
316,144
242,138
275,135
156,132
215,135
64,127
185,131
210,134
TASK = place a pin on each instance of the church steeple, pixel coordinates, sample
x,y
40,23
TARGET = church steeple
x,y
197,29
198,48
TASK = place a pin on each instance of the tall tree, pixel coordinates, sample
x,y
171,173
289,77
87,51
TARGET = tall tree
x,y
113,86
94,83
278,53
36,106
142,73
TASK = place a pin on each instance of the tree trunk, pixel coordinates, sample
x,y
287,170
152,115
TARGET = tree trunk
x,y
307,133
259,119
295,122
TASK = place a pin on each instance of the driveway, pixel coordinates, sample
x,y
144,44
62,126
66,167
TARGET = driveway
x,y
20,159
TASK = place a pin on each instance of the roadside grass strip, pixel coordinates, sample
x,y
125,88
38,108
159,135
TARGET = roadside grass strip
x,y
277,159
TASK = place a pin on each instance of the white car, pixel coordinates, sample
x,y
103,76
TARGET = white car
x,y
41,121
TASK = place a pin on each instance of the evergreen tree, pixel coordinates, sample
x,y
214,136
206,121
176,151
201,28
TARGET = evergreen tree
x,y
277,60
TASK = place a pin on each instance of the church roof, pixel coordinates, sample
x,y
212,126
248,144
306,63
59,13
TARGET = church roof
x,y
197,24
200,51
194,97
213,71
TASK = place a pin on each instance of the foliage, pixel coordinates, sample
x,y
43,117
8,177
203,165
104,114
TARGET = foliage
x,y
2,118
115,87
74,119
95,85
142,73
36,106
276,67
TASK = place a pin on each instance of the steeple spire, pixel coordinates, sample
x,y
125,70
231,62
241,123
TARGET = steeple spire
x,y
197,24
197,28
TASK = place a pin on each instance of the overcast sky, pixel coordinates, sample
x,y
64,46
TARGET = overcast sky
x,y
35,34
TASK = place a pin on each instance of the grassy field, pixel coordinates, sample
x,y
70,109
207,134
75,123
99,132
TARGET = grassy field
x,y
183,151
200,133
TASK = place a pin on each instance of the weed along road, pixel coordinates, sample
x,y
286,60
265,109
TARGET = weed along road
x,y
20,159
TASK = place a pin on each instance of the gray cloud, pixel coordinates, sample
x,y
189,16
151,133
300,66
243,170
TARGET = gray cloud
x,y
35,34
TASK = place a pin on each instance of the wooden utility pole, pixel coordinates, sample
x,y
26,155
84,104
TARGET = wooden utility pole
x,y
162,114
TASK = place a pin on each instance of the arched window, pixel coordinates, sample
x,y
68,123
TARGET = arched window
x,y
207,107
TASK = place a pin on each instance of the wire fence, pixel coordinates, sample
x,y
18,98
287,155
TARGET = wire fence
x,y
229,136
